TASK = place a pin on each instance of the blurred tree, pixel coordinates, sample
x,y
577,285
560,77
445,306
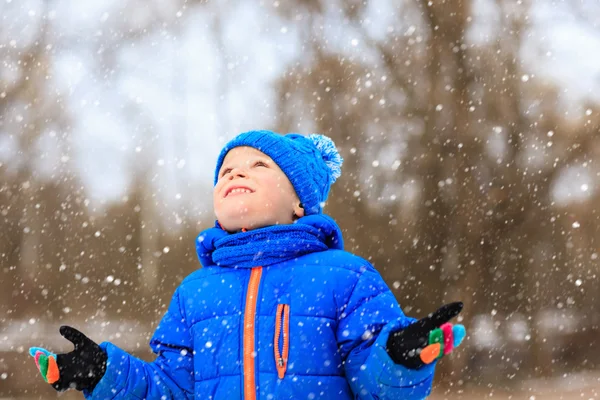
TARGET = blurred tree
x,y
28,109
448,179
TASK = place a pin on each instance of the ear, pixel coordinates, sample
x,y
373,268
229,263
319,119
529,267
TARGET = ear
x,y
299,210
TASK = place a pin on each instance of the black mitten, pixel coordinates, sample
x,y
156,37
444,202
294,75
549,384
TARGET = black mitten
x,y
427,339
80,369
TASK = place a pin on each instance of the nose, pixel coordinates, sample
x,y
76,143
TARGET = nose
x,y
237,173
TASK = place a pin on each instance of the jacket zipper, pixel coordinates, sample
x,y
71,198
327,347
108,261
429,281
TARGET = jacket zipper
x,y
282,328
249,334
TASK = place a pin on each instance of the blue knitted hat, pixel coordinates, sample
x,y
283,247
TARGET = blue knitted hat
x,y
311,163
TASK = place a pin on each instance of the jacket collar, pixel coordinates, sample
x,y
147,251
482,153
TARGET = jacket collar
x,y
268,245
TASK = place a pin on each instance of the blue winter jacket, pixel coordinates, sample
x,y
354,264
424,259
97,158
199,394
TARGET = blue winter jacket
x,y
311,323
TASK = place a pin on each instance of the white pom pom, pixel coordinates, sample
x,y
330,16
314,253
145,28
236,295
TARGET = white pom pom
x,y
329,153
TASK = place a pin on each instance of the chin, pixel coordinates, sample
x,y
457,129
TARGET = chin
x,y
236,223
235,220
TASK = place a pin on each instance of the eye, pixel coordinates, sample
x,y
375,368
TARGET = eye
x,y
225,171
260,164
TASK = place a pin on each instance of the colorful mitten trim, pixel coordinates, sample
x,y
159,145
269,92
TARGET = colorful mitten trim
x,y
442,341
46,363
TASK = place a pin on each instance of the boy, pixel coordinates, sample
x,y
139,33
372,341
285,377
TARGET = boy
x,y
279,310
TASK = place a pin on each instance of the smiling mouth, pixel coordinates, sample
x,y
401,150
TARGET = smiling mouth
x,y
237,191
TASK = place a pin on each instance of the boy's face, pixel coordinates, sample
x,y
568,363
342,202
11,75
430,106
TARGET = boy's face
x,y
253,192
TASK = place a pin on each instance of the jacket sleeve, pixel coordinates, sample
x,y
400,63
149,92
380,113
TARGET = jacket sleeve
x,y
169,376
368,317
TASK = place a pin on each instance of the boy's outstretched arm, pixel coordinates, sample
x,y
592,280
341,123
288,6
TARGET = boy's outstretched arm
x,y
169,376
369,318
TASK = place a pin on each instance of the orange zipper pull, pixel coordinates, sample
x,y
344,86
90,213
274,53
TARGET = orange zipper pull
x,y
282,322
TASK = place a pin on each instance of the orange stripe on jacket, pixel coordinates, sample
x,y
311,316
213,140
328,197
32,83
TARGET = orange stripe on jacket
x,y
249,334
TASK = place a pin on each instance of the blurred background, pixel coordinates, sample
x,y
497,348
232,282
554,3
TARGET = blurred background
x,y
470,131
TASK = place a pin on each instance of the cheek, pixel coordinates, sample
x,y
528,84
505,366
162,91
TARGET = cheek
x,y
218,187
281,184
217,200
287,191
280,192
285,196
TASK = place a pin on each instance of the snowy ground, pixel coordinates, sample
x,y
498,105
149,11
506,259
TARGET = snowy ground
x,y
582,386
585,386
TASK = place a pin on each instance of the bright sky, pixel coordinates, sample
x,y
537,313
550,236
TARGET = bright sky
x,y
175,99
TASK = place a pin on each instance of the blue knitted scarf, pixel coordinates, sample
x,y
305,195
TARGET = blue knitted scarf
x,y
269,245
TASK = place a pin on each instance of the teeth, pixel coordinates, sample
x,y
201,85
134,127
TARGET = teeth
x,y
239,190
